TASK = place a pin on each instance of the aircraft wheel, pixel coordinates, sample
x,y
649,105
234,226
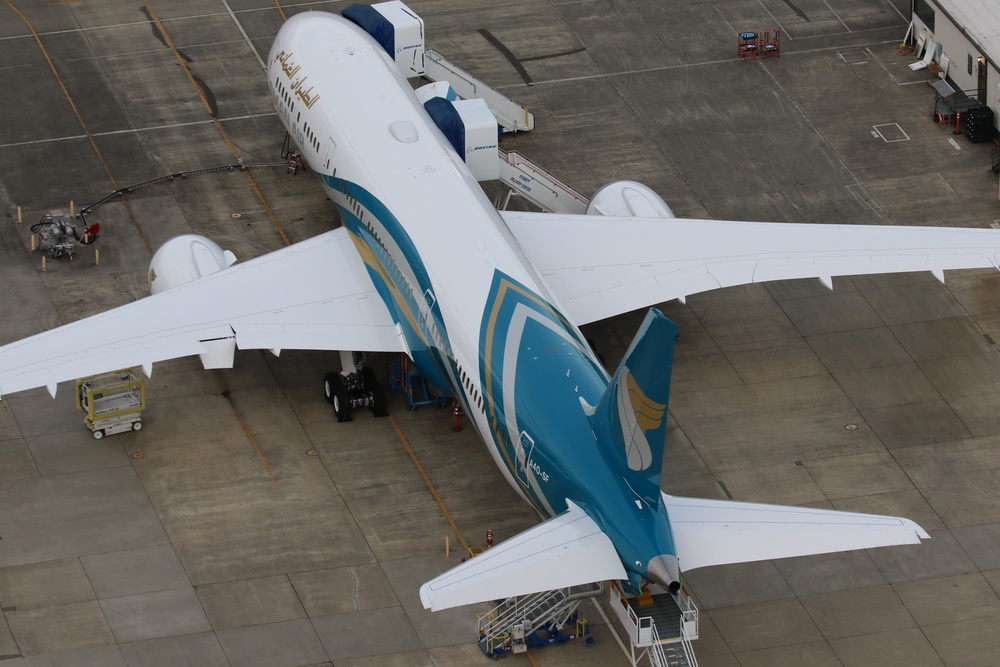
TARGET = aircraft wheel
x,y
376,390
336,393
331,381
98,434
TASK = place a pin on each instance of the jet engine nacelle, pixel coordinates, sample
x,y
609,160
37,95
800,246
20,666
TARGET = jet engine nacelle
x,y
185,258
628,199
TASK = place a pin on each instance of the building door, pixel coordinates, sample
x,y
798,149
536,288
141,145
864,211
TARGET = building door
x,y
983,70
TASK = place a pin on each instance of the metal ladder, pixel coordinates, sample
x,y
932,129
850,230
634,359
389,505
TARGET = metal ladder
x,y
507,627
526,179
663,632
520,175
511,114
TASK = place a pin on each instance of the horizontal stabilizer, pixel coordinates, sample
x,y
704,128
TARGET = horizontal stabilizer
x,y
566,550
716,532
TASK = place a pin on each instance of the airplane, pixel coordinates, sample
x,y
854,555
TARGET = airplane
x,y
488,304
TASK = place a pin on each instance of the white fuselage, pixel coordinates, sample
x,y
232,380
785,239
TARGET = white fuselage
x,y
363,132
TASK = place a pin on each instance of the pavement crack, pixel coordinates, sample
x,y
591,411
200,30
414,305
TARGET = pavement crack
x,y
357,589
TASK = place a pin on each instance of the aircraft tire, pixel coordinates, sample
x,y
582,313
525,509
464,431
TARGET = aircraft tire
x,y
331,381
377,392
336,393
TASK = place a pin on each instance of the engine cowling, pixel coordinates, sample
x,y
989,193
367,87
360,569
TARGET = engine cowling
x,y
185,258
628,199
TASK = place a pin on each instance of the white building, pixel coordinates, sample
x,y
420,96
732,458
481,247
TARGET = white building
x,y
966,37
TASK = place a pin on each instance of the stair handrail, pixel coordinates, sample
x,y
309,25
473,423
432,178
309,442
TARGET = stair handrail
x,y
591,590
688,648
563,198
529,605
655,650
623,610
510,113
689,614
505,614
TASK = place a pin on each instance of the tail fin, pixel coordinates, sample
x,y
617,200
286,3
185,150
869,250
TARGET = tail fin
x,y
631,418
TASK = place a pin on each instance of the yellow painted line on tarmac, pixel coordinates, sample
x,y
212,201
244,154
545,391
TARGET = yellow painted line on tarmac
x,y
79,118
215,121
260,196
427,481
406,443
246,429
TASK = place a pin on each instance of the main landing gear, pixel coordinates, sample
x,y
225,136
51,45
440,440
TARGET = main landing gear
x,y
358,389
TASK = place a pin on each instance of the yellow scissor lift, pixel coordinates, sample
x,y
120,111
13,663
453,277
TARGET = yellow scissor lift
x,y
113,402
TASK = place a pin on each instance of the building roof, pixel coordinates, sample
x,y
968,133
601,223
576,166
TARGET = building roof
x,y
980,20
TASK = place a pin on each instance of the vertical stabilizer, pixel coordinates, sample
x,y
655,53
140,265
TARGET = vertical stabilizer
x,y
631,418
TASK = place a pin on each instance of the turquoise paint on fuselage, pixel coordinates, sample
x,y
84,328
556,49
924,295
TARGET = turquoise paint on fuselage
x,y
429,336
368,93
537,367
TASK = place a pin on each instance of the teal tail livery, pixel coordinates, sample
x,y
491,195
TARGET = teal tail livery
x,y
488,305
631,419
617,524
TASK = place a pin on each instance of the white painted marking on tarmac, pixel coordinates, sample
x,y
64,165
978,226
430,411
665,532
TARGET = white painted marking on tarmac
x,y
891,129
856,54
76,137
243,32
859,192
842,21
664,68
610,626
955,144
127,24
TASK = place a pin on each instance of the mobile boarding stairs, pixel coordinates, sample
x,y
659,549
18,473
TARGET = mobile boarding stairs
x,y
660,626
467,109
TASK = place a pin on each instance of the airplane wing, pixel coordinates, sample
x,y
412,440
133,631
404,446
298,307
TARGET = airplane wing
x,y
567,550
716,532
600,266
313,295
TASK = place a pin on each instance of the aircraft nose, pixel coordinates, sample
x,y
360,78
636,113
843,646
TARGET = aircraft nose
x,y
664,570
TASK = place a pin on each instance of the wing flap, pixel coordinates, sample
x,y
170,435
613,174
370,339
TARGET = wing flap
x,y
600,266
316,294
372,338
716,532
567,550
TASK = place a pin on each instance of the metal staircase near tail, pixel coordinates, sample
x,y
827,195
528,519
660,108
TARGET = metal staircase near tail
x,y
533,620
660,626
